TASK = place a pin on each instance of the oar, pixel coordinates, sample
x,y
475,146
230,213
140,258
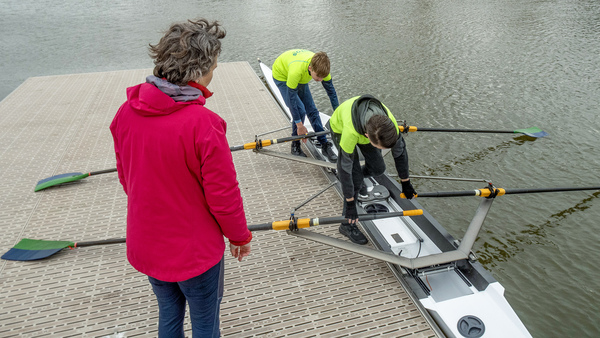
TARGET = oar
x,y
533,131
498,191
308,222
264,143
34,249
70,177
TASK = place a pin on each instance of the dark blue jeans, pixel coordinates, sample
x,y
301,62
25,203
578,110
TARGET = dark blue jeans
x,y
305,106
203,293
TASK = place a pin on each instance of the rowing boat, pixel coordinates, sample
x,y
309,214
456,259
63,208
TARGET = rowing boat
x,y
441,274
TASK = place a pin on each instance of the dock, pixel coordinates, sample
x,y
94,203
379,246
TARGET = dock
x,y
287,287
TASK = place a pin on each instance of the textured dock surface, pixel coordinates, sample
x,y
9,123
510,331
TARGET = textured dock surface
x,y
288,287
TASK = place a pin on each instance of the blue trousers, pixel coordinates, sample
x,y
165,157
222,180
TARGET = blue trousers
x,y
203,293
305,107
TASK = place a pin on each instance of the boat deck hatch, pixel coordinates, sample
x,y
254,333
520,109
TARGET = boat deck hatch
x,y
400,238
445,285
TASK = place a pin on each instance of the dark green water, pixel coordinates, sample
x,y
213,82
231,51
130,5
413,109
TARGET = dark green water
x,y
449,64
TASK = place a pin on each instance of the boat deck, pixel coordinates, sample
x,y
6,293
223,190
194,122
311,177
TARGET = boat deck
x,y
288,287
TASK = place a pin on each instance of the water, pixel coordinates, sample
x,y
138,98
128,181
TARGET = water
x,y
450,64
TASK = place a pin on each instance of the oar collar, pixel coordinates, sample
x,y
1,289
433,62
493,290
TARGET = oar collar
x,y
490,192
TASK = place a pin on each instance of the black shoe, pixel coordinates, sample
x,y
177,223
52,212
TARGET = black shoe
x,y
351,231
297,150
327,150
363,193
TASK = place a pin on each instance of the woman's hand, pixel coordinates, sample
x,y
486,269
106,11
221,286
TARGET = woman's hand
x,y
239,252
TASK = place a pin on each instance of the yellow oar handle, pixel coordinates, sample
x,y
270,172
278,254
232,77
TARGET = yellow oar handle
x,y
252,145
265,143
410,128
300,223
488,192
416,212
285,225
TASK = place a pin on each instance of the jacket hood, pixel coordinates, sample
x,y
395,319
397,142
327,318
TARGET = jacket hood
x,y
158,97
363,109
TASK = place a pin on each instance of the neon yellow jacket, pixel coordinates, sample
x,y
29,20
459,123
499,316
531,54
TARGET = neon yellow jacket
x,y
292,67
341,123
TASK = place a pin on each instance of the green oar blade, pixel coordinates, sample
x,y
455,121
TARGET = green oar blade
x,y
34,249
59,179
533,132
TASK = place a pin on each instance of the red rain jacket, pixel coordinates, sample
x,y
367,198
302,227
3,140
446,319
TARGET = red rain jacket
x,y
176,168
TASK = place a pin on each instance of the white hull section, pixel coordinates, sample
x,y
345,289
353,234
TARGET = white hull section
x,y
489,306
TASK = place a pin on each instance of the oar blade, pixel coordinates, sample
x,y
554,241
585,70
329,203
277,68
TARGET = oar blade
x,y
59,179
533,132
34,249
47,179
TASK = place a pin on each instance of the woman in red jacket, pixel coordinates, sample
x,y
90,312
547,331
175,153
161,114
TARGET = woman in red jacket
x,y
176,168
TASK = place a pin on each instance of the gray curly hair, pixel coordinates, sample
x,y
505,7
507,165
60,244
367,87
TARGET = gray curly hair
x,y
187,50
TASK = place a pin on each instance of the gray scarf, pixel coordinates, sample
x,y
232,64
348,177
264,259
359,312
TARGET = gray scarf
x,y
177,93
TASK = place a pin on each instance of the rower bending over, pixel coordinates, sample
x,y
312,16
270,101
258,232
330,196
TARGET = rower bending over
x,y
365,123
292,71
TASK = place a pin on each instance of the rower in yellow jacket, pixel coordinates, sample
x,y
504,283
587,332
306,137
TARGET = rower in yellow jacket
x,y
364,123
292,71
